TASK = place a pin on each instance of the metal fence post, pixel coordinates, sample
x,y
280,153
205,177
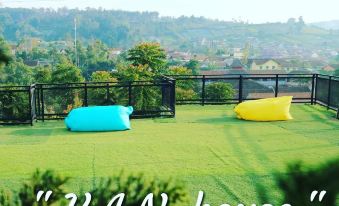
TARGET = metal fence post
x,y
240,88
30,96
129,93
107,93
316,89
38,101
163,91
42,104
203,91
173,96
312,91
86,95
276,85
329,92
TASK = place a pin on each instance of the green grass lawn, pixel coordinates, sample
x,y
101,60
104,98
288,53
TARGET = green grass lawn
x,y
205,147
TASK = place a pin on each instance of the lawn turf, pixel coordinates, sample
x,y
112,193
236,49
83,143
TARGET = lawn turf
x,y
205,147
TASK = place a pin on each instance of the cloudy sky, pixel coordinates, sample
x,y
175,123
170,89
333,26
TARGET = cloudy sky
x,y
255,11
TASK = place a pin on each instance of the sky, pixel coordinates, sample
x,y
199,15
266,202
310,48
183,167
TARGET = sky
x,y
253,11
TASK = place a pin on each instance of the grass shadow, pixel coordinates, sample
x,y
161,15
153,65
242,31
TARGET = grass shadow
x,y
32,132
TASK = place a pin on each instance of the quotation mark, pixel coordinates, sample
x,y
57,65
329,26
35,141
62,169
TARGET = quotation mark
x,y
315,193
47,195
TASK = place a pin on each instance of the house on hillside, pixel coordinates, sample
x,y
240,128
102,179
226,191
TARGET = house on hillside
x,y
238,53
330,67
264,64
237,65
114,52
273,64
37,63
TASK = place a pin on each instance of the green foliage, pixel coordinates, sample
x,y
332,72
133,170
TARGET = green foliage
x,y
301,181
194,66
100,95
185,94
8,199
124,29
219,91
186,84
143,97
136,188
336,72
150,54
66,72
134,73
4,56
45,181
16,73
13,105
184,89
179,70
42,75
102,76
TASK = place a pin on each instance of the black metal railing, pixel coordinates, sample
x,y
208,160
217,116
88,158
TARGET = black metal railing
x,y
327,91
158,98
244,87
24,105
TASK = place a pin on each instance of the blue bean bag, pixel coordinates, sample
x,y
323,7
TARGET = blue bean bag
x,y
99,118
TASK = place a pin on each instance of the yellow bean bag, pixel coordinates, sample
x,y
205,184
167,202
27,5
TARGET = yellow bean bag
x,y
271,109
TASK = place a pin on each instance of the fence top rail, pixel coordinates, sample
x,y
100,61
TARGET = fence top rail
x,y
103,85
223,75
14,87
334,78
171,78
155,81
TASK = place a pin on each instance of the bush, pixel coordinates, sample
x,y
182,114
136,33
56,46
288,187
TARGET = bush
x,y
185,94
219,91
136,188
26,196
143,97
99,96
14,105
301,181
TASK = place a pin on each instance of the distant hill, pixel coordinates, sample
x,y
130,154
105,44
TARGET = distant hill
x,y
124,29
329,25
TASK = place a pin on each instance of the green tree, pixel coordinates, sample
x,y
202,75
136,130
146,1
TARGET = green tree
x,y
16,73
150,54
219,91
100,96
134,73
302,180
42,75
102,76
66,73
336,72
194,66
136,188
185,90
4,56
45,181
143,97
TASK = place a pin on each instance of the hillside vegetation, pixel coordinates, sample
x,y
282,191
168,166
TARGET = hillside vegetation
x,y
124,29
